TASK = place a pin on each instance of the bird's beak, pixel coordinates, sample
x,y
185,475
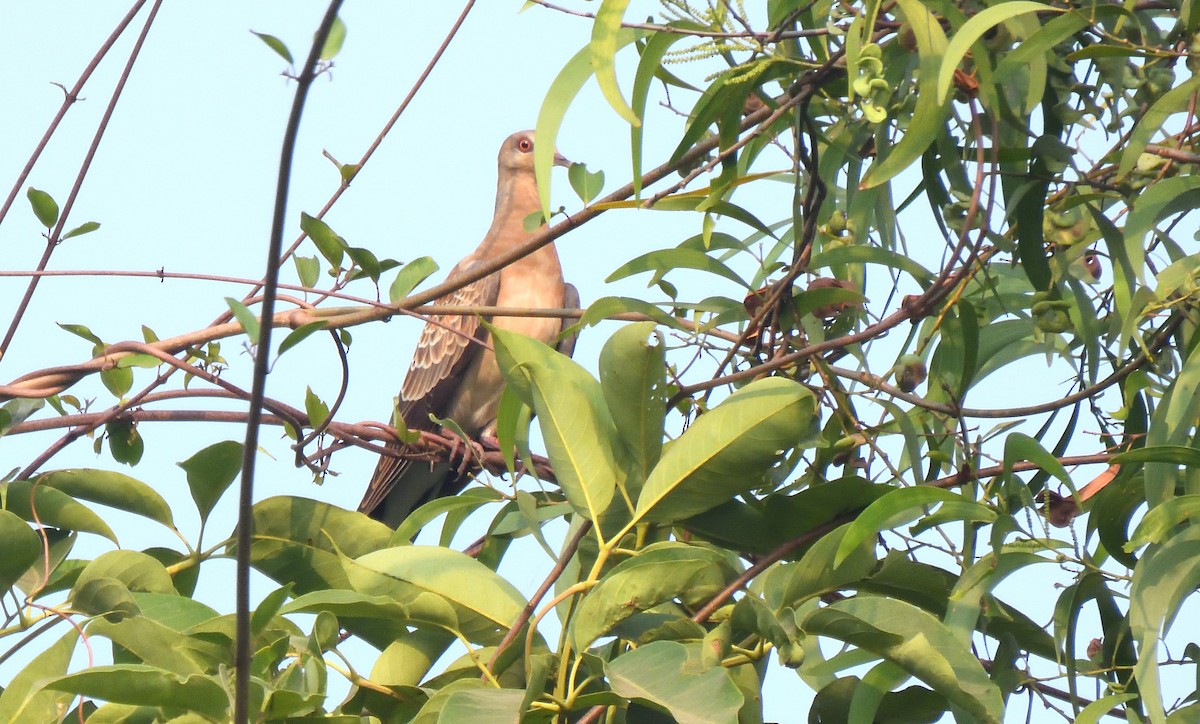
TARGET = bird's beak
x,y
561,160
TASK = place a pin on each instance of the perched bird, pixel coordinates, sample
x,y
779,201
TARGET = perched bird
x,y
452,375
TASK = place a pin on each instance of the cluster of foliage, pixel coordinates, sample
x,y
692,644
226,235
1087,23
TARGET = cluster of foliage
x,y
757,478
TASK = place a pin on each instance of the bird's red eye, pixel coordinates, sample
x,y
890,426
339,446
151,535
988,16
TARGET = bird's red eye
x,y
525,145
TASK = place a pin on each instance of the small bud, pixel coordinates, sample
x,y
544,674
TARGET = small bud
x,y
912,372
1091,262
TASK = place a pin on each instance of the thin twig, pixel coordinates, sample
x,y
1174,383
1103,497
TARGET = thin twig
x,y
56,235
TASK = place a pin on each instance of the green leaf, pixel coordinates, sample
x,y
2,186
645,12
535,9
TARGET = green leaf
x,y
562,92
790,585
660,573
84,228
1163,520
144,361
277,45
301,333
308,269
482,601
268,608
929,115
579,432
62,573
672,676
633,378
383,620
125,442
134,569
81,331
1173,454
895,509
1156,202
912,705
143,685
210,472
331,246
665,260
105,597
606,40
917,643
45,208
1162,579
1168,104
695,201
54,508
24,699
606,307
315,408
147,639
14,412
483,706
650,65
587,185
245,317
333,41
1094,713
412,274
864,254
22,547
366,261
110,488
468,501
301,540
1019,446
728,450
973,30
1041,43
117,380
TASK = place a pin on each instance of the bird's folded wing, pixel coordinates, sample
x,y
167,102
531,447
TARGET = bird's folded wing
x,y
566,344
446,347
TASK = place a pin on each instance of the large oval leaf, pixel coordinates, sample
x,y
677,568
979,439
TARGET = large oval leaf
x,y
112,489
633,378
54,508
148,686
660,573
673,676
22,546
24,699
581,440
728,450
477,593
298,540
916,642
138,571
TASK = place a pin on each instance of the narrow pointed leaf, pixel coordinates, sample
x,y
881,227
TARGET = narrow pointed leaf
x,y
727,450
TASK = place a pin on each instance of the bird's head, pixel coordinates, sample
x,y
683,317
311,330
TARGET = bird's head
x,y
516,155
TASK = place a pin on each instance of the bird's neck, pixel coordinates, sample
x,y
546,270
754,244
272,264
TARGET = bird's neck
x,y
516,200
516,197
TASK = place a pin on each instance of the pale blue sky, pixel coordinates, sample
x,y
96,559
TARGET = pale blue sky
x,y
184,180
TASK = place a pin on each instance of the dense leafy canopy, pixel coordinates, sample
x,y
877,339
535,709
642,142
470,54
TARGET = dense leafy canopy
x,y
932,256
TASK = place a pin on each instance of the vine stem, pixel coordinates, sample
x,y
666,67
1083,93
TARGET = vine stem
x,y
261,368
